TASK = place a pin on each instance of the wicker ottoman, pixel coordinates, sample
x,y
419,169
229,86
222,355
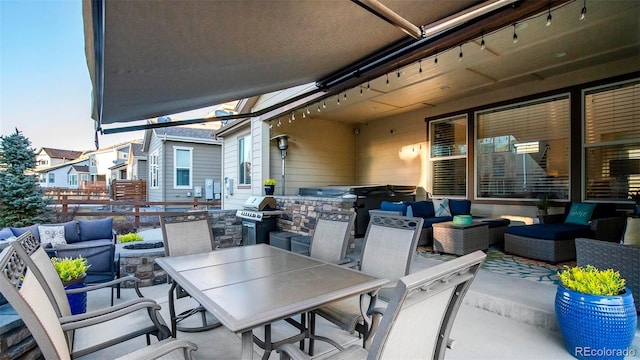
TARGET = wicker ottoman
x,y
460,239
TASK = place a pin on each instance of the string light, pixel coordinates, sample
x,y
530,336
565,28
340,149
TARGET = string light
x,y
515,36
270,125
308,112
345,95
293,116
324,104
279,122
435,60
361,91
483,45
319,107
549,17
304,114
338,99
398,72
387,79
461,54
583,13
368,85
420,66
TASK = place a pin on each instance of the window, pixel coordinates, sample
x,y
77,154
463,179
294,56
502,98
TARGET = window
x,y
153,170
42,178
244,160
612,141
448,138
93,162
182,167
52,178
73,179
522,150
84,177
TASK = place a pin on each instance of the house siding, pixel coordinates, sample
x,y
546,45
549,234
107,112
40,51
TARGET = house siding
x,y
206,164
242,192
320,153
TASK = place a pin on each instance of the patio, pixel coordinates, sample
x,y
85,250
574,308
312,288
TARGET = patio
x,y
500,319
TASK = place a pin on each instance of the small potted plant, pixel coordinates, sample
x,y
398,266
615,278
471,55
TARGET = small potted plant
x,y
269,185
635,196
543,204
596,313
73,273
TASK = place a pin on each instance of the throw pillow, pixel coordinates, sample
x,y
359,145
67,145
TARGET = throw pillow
x,y
96,229
632,232
459,207
33,229
423,209
6,233
53,235
580,213
441,207
394,206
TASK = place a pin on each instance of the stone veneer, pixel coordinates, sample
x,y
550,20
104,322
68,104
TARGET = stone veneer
x,y
300,212
227,231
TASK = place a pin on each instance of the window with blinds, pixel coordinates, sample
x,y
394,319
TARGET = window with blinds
x,y
522,151
448,139
612,141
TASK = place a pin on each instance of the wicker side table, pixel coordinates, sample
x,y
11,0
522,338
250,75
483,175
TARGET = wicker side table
x,y
460,240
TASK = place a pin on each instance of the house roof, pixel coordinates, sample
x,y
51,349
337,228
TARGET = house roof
x,y
71,163
137,149
81,168
61,154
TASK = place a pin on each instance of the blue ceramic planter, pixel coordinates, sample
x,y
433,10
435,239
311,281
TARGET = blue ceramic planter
x,y
596,327
77,302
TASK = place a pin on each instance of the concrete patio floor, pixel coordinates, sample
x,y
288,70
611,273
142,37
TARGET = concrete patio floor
x,y
503,318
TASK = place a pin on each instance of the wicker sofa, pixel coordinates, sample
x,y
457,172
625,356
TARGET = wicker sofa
x,y
611,255
553,240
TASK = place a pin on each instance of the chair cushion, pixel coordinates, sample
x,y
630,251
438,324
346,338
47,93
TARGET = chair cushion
x,y
22,230
460,207
97,252
96,229
441,207
423,209
394,206
71,231
553,231
52,234
495,223
6,233
632,232
580,213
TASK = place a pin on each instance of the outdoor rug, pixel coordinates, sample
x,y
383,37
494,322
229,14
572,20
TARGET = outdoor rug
x,y
500,263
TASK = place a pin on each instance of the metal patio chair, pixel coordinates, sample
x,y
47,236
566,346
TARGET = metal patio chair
x,y
186,234
139,316
25,293
418,319
331,236
388,249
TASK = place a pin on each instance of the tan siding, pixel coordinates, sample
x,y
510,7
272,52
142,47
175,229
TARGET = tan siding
x,y
394,151
320,153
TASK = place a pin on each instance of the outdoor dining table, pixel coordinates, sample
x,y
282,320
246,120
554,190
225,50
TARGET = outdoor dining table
x,y
248,287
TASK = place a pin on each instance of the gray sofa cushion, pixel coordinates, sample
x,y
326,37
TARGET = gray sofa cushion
x,y
6,233
96,229
89,250
22,230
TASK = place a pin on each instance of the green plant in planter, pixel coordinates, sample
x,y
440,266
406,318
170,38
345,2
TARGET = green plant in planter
x,y
130,237
70,269
543,203
595,311
269,182
590,280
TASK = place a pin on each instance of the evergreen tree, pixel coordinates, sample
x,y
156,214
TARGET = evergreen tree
x,y
21,197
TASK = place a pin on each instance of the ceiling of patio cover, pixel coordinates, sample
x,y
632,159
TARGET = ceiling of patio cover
x,y
167,56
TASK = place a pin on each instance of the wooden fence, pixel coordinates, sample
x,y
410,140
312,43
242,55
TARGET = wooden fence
x,y
64,202
129,189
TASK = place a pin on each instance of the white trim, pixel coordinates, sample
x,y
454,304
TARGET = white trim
x,y
153,166
175,168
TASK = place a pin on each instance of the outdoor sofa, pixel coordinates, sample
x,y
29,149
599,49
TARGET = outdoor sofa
x,y
553,239
92,239
426,210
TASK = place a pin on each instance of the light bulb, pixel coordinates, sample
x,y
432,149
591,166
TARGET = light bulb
x,y
435,61
387,79
420,66
361,91
549,19
324,104
308,112
461,54
338,101
515,36
482,44
583,13
293,116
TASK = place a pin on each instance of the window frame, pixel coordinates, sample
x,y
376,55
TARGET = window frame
x,y
51,178
153,171
585,146
70,179
245,139
460,116
176,168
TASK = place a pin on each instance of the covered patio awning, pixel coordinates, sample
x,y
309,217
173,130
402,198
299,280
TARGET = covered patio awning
x,y
152,58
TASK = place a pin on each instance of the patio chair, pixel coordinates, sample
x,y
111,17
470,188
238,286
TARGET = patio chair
x,y
331,236
388,249
421,311
186,234
82,341
25,293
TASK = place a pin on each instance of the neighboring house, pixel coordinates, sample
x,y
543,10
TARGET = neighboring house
x,y
47,157
110,163
68,175
183,163
137,162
